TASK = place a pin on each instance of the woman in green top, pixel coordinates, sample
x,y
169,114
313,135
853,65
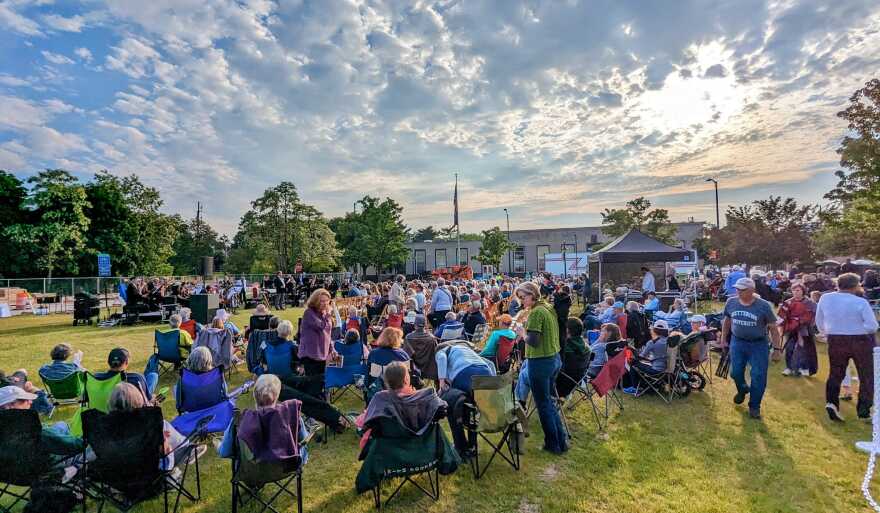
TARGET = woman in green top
x,y
541,334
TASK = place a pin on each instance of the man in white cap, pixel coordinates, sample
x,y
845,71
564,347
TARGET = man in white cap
x,y
57,439
748,318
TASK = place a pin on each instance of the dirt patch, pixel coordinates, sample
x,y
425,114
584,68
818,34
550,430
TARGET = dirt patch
x,y
527,507
550,473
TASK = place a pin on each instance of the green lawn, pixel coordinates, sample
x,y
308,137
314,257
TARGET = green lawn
x,y
700,455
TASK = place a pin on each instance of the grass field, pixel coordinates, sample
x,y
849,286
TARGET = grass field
x,y
701,454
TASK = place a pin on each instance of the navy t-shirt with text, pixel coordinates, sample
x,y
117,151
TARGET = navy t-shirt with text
x,y
749,322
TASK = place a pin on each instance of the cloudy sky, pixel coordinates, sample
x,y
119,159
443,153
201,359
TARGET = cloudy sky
x,y
554,109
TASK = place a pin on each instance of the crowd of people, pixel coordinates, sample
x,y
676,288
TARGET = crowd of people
x,y
426,341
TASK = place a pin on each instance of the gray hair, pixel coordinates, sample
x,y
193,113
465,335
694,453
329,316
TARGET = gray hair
x,y
450,316
200,360
266,390
174,321
125,397
184,314
285,329
392,309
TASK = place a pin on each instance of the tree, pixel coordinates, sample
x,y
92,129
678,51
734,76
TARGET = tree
x,y
853,224
13,197
195,239
494,246
279,231
59,227
374,236
638,215
773,231
426,233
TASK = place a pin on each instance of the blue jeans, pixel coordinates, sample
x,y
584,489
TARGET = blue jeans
x,y
42,404
151,374
755,353
522,383
542,380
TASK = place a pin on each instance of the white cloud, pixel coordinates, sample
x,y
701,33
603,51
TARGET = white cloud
x,y
14,21
84,54
72,24
12,81
56,58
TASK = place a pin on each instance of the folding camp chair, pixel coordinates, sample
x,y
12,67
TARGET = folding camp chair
x,y
68,390
278,358
251,477
603,386
493,410
343,379
199,396
129,452
167,350
96,396
480,333
669,384
393,452
506,355
260,322
23,462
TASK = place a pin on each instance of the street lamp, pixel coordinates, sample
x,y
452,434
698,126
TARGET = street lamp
x,y
509,250
717,211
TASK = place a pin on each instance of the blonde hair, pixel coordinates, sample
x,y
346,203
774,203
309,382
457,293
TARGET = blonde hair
x,y
613,331
266,390
315,299
390,337
200,360
125,397
529,288
285,329
218,323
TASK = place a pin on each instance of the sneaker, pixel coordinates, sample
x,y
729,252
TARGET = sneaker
x,y
198,453
740,397
630,390
755,413
69,473
786,372
805,372
833,413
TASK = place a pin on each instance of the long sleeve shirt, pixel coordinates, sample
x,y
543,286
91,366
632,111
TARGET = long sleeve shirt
x,y
648,284
454,359
841,313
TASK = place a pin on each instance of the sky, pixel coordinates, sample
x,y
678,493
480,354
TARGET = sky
x,y
555,110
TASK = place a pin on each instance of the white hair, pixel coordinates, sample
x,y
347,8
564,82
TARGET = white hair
x,y
285,329
267,389
200,360
184,314
392,309
450,316
174,321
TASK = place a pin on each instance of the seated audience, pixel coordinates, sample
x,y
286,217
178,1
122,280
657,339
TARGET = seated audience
x,y
450,329
473,318
652,357
575,358
189,325
421,345
609,333
19,379
652,304
60,368
491,347
457,362
118,361
174,322
394,319
56,438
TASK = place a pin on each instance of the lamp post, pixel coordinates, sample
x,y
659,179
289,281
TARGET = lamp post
x,y
717,210
509,250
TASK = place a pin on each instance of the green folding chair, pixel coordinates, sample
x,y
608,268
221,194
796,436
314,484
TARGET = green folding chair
x,y
96,397
68,390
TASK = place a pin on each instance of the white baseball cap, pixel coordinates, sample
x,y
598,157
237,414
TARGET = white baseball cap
x,y
697,318
11,393
660,324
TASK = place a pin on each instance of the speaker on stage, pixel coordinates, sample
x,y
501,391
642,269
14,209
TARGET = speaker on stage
x,y
204,307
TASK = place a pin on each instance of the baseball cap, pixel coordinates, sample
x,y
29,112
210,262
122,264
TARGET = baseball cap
x,y
117,357
617,304
10,394
420,320
660,324
697,318
505,319
745,283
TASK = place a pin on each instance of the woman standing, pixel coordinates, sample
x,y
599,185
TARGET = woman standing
x,y
541,334
562,305
797,316
315,346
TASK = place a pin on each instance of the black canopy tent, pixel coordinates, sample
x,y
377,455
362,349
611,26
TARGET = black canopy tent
x,y
635,247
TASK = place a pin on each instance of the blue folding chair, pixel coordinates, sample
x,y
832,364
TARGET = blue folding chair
x,y
167,350
278,359
200,396
339,380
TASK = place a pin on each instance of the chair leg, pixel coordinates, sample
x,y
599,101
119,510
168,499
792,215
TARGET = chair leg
x,y
299,495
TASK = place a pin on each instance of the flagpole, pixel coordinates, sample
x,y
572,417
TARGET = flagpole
x,y
457,227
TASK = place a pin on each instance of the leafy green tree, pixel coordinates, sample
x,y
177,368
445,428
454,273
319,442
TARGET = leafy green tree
x,y
853,223
638,214
374,236
279,231
494,247
426,233
58,232
13,197
196,239
773,231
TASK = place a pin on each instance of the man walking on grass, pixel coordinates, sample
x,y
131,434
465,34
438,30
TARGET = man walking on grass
x,y
747,318
849,325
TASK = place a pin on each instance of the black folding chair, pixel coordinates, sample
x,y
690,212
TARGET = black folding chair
x,y
668,384
129,450
250,478
23,462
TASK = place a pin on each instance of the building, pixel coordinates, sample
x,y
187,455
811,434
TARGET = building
x,y
530,247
